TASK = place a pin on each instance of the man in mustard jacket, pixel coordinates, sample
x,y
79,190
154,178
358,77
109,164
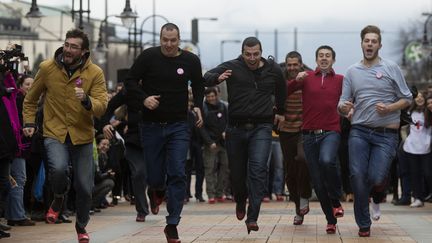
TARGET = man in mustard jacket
x,y
75,92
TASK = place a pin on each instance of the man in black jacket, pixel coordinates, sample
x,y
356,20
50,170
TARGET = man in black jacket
x,y
164,73
215,115
254,86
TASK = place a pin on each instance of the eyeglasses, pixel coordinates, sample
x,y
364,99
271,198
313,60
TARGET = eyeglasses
x,y
73,47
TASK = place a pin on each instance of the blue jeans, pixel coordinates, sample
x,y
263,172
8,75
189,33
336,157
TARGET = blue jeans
x,y
81,157
15,199
165,149
248,151
138,168
276,175
371,154
321,156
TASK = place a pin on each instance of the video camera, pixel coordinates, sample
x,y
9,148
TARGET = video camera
x,y
11,58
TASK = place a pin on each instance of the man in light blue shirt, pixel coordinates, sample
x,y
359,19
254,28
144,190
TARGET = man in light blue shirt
x,y
374,91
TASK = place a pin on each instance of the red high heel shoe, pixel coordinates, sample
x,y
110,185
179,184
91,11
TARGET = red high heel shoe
x,y
252,226
331,229
338,212
365,232
83,238
51,216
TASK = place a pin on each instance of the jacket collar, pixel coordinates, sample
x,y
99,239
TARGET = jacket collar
x,y
58,57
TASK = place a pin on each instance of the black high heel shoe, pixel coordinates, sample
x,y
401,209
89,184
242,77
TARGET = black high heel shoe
x,y
252,226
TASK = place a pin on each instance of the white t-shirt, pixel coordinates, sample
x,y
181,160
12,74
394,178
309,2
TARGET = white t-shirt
x,y
419,138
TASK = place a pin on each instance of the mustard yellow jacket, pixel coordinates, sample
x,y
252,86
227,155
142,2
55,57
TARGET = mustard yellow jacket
x,y
63,112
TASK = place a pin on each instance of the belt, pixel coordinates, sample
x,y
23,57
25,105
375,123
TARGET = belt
x,y
244,125
315,132
383,129
158,123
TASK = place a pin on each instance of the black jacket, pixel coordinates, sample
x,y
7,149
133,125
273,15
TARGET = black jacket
x,y
215,122
251,94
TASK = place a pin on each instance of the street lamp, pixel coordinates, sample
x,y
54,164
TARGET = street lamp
x,y
34,16
194,36
154,34
128,17
426,45
80,11
221,47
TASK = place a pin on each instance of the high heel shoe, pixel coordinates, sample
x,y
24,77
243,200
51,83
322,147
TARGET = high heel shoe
x,y
252,226
240,210
171,234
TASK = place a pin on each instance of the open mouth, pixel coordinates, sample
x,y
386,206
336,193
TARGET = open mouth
x,y
369,52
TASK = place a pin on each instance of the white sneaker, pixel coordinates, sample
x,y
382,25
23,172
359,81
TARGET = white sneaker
x,y
417,203
376,212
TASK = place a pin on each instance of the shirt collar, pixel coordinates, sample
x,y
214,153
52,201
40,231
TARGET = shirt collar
x,y
318,71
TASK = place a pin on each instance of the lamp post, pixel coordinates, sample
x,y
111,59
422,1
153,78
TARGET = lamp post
x,y
128,17
153,32
194,33
34,16
222,45
426,45
80,11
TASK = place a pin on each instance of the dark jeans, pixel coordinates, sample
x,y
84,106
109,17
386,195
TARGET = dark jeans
x,y
138,168
321,157
100,190
404,175
420,172
371,154
165,147
81,157
196,162
296,170
248,150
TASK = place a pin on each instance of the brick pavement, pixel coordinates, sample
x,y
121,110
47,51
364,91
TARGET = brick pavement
x,y
204,223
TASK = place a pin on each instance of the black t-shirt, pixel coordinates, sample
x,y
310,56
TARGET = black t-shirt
x,y
168,77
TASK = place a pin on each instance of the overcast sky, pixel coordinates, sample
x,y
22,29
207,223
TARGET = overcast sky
x,y
332,22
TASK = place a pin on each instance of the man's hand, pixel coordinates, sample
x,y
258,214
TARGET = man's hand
x,y
301,76
199,121
346,107
108,131
224,75
278,119
152,102
382,108
79,93
213,146
28,131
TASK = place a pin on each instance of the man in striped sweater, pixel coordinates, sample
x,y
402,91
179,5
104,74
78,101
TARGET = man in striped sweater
x,y
296,171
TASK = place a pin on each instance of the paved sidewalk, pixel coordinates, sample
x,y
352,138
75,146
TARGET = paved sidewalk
x,y
205,223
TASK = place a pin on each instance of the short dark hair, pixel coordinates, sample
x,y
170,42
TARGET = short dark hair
x,y
77,33
294,54
210,90
370,29
99,138
170,27
326,48
21,79
250,42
